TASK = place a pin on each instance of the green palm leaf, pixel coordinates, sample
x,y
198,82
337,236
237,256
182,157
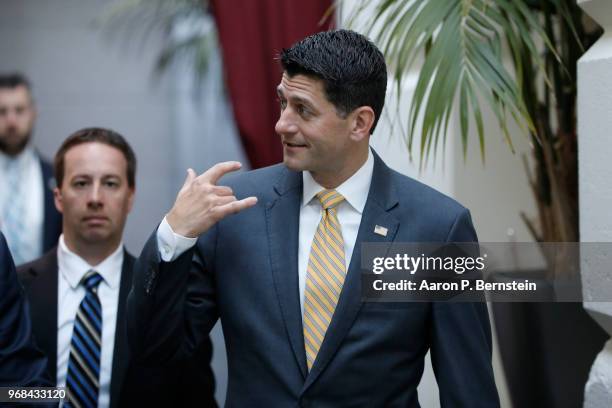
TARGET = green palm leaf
x,y
463,40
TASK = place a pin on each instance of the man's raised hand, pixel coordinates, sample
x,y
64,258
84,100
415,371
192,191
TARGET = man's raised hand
x,y
201,203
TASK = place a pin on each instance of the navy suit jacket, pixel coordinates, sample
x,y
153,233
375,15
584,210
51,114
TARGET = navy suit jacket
x,y
245,272
131,384
21,363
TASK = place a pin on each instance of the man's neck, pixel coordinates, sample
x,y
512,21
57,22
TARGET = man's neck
x,y
332,180
93,254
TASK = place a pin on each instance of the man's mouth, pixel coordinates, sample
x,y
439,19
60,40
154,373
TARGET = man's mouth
x,y
293,144
95,219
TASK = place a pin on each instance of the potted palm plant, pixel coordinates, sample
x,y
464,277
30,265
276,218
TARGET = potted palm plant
x,y
519,58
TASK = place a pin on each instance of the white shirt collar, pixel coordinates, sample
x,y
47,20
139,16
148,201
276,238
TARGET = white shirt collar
x,y
73,267
355,190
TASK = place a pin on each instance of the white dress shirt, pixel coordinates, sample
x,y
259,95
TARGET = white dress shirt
x,y
355,191
31,195
70,293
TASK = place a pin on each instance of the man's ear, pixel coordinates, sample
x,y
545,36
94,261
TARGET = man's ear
x,y
362,120
57,199
131,196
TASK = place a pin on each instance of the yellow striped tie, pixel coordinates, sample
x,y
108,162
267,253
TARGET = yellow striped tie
x,y
325,275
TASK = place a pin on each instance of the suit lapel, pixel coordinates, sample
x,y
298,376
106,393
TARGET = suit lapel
x,y
43,304
282,217
381,199
121,351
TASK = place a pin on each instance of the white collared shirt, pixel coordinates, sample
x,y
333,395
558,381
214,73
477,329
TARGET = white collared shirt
x,y
70,293
355,191
32,196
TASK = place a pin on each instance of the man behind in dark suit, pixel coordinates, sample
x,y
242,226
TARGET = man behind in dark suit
x,y
78,290
28,217
283,272
21,363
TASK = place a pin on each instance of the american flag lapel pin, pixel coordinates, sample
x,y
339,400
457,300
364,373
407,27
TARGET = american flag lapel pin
x,y
380,230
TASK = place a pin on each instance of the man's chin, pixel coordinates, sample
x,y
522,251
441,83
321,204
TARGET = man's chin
x,y
96,235
14,147
292,164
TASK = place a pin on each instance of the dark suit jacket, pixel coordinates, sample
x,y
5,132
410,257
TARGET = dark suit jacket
x,y
245,271
52,224
131,384
21,363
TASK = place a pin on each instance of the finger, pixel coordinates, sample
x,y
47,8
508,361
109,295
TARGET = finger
x,y
224,200
222,191
235,206
217,171
191,175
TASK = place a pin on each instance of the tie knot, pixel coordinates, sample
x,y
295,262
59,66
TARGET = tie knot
x,y
329,198
91,280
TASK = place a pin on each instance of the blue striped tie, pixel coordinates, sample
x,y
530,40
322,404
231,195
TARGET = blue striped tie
x,y
83,377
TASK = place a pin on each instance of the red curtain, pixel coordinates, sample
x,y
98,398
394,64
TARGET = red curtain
x,y
252,33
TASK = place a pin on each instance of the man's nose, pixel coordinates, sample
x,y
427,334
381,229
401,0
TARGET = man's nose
x,y
286,123
95,199
11,117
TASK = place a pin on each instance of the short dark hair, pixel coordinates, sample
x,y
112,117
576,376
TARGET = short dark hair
x,y
13,80
352,69
99,135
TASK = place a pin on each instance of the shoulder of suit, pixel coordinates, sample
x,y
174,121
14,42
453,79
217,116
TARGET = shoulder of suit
x,y
424,195
256,181
34,268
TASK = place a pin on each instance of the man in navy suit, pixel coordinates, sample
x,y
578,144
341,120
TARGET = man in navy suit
x,y
21,363
283,271
28,216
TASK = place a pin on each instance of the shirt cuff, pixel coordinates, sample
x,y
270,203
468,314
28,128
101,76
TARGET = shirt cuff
x,y
170,244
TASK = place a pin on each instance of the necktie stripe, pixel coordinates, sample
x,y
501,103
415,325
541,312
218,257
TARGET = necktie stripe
x,y
80,396
320,298
72,400
333,232
84,338
87,356
324,316
83,382
334,261
325,234
326,197
323,268
324,277
313,334
91,326
320,319
87,370
83,377
332,242
95,307
327,244
317,263
324,290
86,330
91,315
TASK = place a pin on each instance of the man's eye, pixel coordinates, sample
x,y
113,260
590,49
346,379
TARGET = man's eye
x,y
302,111
80,183
112,184
282,103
